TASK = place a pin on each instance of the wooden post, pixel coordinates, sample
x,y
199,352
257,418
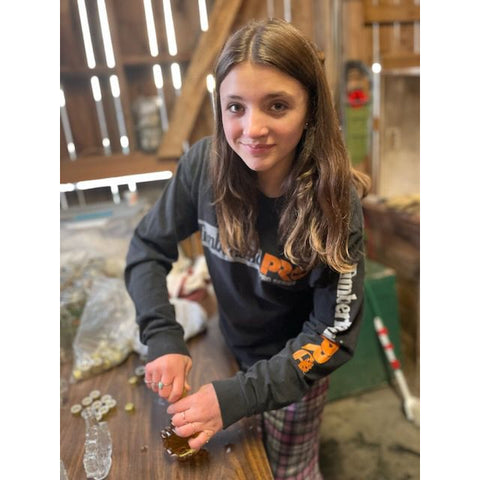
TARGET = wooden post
x,y
354,31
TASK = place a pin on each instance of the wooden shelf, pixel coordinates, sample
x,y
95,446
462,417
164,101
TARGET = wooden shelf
x,y
103,166
391,13
400,60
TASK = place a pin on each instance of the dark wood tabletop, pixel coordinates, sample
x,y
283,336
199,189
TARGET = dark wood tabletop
x,y
138,452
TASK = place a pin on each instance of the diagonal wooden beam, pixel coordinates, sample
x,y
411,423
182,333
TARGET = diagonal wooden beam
x,y
189,103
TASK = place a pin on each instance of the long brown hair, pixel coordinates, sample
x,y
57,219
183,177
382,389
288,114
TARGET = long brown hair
x,y
314,221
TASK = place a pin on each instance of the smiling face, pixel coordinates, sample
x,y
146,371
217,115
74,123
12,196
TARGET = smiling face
x,y
263,114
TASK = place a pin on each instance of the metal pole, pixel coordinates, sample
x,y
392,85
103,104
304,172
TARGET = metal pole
x,y
376,102
287,11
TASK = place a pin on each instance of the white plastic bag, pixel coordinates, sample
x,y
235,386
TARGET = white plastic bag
x,y
190,315
105,336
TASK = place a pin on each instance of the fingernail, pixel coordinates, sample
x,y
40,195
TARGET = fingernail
x,y
169,410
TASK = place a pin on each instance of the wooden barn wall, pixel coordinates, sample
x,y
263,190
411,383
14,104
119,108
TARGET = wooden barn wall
x,y
343,29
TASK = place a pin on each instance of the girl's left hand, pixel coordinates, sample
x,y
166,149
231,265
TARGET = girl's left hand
x,y
197,413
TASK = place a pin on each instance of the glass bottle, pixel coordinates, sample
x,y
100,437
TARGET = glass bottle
x,y
175,445
63,472
97,456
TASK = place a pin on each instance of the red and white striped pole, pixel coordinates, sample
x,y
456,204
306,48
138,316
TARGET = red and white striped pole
x,y
388,348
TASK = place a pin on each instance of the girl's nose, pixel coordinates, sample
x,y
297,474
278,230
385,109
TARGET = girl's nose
x,y
255,125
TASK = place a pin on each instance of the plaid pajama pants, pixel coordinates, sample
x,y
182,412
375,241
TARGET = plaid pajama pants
x,y
291,436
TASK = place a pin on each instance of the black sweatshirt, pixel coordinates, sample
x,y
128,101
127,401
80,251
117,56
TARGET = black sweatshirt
x,y
286,327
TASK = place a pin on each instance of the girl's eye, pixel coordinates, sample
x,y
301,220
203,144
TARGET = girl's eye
x,y
234,108
278,107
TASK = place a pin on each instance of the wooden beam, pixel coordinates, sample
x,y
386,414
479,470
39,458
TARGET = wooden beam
x,y
400,60
95,167
251,10
188,105
353,30
303,17
326,40
391,13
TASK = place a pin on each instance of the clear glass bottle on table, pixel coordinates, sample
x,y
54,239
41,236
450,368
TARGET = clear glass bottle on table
x,y
97,456
63,472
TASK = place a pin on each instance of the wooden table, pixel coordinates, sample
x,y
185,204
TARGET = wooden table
x,y
138,452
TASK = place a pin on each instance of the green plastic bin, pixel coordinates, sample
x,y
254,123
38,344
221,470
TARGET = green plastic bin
x,y
369,368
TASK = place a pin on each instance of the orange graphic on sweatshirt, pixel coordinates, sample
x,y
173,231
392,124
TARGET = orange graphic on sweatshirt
x,y
311,353
285,270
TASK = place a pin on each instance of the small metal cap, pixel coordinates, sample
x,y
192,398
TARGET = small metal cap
x,y
76,409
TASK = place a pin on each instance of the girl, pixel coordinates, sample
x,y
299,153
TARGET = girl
x,y
274,198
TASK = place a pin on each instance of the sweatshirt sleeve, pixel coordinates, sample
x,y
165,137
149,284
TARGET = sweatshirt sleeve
x,y
326,342
153,249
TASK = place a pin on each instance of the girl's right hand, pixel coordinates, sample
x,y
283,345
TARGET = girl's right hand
x,y
169,372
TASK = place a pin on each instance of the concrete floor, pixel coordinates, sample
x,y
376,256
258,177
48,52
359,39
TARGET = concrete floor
x,y
367,436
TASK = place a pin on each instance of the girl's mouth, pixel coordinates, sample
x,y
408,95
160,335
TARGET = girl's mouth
x,y
257,148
